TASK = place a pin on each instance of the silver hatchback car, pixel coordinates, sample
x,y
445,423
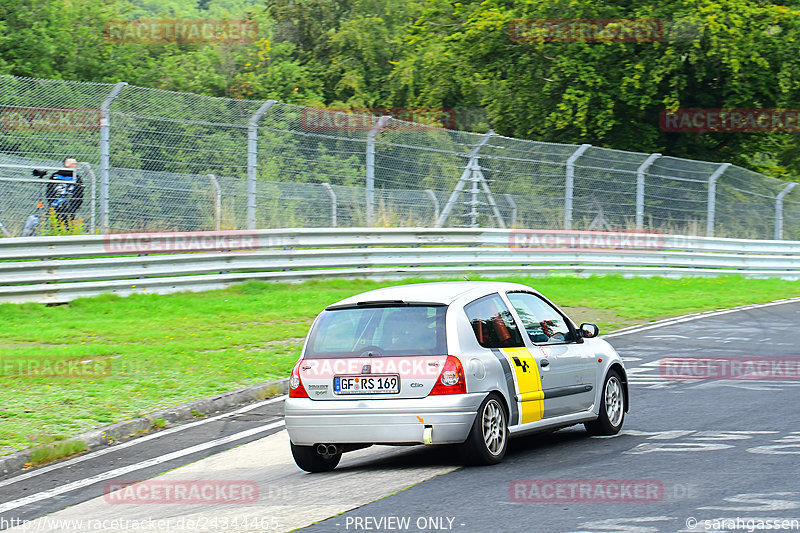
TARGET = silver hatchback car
x,y
468,363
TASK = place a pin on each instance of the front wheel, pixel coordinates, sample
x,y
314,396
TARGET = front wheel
x,y
612,407
488,439
309,460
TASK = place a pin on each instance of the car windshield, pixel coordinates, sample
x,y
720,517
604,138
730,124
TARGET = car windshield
x,y
379,331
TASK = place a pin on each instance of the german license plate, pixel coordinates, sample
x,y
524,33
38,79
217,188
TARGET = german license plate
x,y
367,384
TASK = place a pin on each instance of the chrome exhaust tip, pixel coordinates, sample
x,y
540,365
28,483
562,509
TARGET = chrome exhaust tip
x,y
327,449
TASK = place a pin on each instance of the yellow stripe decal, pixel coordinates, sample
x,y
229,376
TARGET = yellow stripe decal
x,y
529,383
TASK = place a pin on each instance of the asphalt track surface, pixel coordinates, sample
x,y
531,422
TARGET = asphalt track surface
x,y
694,455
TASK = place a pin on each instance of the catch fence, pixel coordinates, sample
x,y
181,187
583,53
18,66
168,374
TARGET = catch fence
x,y
168,161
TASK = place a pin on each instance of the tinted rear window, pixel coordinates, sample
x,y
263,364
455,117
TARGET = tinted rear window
x,y
492,323
381,331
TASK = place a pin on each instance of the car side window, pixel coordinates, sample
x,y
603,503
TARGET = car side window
x,y
541,321
492,323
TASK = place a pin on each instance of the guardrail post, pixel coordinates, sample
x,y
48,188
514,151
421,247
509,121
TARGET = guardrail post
x,y
252,160
370,185
640,174
435,202
465,176
779,210
569,189
93,192
105,137
712,197
332,196
217,200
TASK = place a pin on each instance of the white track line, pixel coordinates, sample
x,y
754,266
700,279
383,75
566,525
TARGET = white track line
x,y
33,498
135,441
697,316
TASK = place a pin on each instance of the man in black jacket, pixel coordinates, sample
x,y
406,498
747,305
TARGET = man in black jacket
x,y
65,198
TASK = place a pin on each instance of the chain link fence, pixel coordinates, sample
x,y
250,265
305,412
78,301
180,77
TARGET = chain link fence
x,y
168,161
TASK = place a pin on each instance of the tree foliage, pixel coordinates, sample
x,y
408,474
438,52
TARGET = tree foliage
x,y
459,55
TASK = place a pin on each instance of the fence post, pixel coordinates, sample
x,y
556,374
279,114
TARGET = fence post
x,y
473,213
465,176
217,200
712,197
513,204
640,173
569,189
332,196
252,160
779,210
93,189
105,137
370,186
435,202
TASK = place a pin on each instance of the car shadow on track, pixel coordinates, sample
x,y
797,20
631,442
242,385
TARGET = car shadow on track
x,y
543,442
448,455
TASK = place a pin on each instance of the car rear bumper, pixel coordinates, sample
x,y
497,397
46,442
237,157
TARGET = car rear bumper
x,y
396,421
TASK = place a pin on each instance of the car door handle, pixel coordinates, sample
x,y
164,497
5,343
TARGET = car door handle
x,y
544,363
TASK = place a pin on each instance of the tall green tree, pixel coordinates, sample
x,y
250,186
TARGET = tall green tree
x,y
732,54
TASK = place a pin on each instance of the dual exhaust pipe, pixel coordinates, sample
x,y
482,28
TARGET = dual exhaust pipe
x,y
327,449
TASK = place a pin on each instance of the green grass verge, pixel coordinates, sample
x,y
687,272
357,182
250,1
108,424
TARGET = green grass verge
x,y
160,351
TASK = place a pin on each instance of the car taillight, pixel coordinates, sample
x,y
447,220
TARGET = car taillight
x,y
451,380
296,388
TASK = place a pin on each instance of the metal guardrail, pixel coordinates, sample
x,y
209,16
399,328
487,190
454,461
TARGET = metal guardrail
x,y
60,269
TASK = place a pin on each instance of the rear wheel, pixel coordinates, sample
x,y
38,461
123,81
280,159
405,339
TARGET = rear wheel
x,y
309,460
612,407
488,439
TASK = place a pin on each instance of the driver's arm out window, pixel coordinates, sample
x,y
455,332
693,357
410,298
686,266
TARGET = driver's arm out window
x,y
492,323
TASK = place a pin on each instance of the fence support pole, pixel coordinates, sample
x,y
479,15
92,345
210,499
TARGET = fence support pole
x,y
640,174
712,197
513,204
217,200
93,192
105,151
779,210
474,203
252,160
332,196
435,202
569,189
370,185
462,181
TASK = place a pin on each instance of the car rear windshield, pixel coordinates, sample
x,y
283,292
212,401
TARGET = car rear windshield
x,y
372,331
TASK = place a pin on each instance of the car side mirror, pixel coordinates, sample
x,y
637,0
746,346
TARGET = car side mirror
x,y
588,330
